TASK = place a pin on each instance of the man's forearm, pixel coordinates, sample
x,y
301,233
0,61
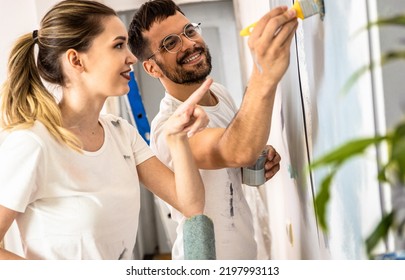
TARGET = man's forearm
x,y
249,130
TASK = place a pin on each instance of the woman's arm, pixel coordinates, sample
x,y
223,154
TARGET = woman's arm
x,y
189,186
185,189
7,217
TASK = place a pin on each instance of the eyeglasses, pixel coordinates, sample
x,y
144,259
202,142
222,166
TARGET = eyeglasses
x,y
173,43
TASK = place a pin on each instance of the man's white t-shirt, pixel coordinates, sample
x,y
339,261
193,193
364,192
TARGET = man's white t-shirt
x,y
74,205
225,203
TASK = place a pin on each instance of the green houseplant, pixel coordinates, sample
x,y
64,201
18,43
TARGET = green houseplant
x,y
392,171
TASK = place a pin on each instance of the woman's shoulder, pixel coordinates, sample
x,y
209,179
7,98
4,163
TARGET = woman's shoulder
x,y
34,137
118,126
113,120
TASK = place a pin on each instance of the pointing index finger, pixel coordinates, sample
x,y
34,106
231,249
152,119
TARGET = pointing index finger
x,y
194,98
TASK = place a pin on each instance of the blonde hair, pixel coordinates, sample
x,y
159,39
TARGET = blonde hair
x,y
71,24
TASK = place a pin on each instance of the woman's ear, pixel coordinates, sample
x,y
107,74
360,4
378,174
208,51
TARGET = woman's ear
x,y
73,59
152,68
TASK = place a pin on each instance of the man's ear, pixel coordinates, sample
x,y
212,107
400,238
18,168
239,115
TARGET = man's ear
x,y
152,68
73,58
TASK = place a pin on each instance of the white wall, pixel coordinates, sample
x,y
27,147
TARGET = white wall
x,y
334,51
315,117
16,18
311,117
125,5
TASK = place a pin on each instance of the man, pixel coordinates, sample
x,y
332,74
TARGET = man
x,y
171,49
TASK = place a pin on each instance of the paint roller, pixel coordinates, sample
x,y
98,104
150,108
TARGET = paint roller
x,y
199,238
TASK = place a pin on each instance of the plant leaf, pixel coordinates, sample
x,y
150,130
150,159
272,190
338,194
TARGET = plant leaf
x,y
395,20
398,152
381,174
393,55
346,151
322,199
381,231
336,158
355,77
386,58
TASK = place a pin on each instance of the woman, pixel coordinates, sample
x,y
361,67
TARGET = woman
x,y
68,175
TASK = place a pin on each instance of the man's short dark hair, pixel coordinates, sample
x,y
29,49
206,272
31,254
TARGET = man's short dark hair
x,y
149,13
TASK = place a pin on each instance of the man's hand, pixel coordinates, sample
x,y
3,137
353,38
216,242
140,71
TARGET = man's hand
x,y
270,43
272,165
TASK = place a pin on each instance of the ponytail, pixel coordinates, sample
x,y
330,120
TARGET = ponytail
x,y
25,99
68,25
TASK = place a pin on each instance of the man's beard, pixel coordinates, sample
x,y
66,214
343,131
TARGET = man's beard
x,y
188,77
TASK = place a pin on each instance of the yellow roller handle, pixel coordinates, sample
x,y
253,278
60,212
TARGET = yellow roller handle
x,y
298,9
248,30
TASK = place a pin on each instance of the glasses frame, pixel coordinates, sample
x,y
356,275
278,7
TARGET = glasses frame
x,y
162,46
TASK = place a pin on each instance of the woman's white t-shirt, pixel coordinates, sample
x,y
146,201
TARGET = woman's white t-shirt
x,y
74,205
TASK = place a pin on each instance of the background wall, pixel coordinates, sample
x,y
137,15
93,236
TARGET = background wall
x,y
11,25
392,38
315,117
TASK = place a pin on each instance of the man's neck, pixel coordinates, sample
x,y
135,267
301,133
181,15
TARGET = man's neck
x,y
182,92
